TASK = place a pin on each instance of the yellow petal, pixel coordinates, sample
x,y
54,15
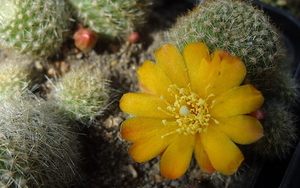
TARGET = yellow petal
x,y
221,53
239,100
223,154
242,129
137,127
144,105
171,62
202,158
231,74
193,53
148,147
176,158
209,71
153,78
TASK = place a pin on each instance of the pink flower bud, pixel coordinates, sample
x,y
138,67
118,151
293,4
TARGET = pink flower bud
x,y
133,37
259,114
85,39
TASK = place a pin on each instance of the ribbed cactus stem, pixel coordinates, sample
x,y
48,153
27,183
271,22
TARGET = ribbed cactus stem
x,y
34,27
112,18
84,93
39,146
235,26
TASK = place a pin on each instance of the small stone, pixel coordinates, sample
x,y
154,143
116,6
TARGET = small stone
x,y
108,123
132,171
38,65
113,63
64,67
53,72
79,55
158,178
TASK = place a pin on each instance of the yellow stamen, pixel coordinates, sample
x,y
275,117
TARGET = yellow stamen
x,y
190,111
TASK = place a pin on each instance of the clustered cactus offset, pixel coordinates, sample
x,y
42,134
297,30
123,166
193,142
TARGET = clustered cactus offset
x,y
83,92
34,27
111,18
245,31
39,147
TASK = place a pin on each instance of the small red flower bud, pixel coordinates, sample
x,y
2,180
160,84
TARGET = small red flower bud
x,y
133,37
85,39
259,114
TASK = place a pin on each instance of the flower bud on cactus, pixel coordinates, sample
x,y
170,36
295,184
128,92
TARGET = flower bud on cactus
x,y
244,31
34,27
112,18
83,93
133,37
85,39
39,147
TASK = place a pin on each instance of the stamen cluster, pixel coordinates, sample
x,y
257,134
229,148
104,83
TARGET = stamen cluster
x,y
189,109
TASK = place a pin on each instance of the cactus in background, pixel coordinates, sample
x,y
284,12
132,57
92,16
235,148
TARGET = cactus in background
x,y
83,93
234,26
290,6
244,31
14,79
111,18
34,27
39,146
279,131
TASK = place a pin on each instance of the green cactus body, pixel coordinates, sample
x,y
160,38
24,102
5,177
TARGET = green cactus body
x,y
83,93
14,79
112,18
34,27
234,26
279,131
39,146
244,31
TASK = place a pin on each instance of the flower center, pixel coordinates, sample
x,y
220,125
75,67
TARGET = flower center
x,y
190,111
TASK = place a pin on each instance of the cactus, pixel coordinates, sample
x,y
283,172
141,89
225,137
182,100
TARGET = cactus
x,y
34,27
112,18
244,31
234,26
83,93
14,79
279,131
39,146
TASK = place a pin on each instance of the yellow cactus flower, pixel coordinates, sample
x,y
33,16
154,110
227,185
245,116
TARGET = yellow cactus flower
x,y
191,103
